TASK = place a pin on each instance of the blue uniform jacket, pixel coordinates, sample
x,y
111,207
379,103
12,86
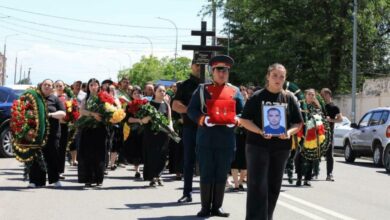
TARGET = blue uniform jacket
x,y
219,135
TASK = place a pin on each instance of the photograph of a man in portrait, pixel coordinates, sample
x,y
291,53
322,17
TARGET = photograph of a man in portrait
x,y
274,119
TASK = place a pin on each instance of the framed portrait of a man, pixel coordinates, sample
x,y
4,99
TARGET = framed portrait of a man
x,y
274,119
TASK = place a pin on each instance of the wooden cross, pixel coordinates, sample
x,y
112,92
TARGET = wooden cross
x,y
202,52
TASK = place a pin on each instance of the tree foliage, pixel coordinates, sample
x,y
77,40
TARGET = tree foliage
x,y
151,69
312,38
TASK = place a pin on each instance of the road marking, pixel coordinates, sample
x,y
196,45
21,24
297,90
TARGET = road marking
x,y
314,206
300,211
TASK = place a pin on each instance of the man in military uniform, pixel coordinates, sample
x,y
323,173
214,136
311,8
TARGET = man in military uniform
x,y
214,106
180,103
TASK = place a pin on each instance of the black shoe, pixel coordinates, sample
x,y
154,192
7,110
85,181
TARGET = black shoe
x,y
137,175
88,185
185,199
152,183
290,180
178,178
61,177
113,167
217,200
298,183
241,187
307,183
330,178
159,182
219,213
203,213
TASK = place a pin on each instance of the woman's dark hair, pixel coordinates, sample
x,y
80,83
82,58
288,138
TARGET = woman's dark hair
x,y
135,88
93,80
155,90
41,83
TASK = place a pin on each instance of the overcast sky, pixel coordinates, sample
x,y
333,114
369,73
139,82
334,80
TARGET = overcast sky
x,y
49,37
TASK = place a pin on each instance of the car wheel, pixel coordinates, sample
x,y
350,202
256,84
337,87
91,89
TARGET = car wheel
x,y
377,156
349,155
6,149
386,159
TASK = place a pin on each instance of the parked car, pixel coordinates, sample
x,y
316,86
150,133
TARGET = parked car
x,y
370,137
7,96
340,132
386,158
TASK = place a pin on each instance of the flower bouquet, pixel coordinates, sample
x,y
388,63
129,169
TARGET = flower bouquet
x,y
104,104
131,109
72,111
158,121
29,126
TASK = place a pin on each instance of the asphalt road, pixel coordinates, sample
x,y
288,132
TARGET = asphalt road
x,y
361,191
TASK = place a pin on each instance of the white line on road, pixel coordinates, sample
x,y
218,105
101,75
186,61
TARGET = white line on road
x,y
300,211
314,206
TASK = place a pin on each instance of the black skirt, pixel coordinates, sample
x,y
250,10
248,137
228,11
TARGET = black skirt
x,y
240,159
155,153
91,155
133,147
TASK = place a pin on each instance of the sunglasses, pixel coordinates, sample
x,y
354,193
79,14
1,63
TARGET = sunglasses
x,y
221,69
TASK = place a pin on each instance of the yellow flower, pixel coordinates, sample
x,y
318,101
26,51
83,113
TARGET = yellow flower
x,y
68,104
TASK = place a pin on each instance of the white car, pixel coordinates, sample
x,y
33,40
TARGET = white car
x,y
340,131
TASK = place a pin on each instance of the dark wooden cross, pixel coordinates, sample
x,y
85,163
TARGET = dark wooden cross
x,y
202,52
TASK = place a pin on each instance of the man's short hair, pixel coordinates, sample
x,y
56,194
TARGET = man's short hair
x,y
327,91
273,109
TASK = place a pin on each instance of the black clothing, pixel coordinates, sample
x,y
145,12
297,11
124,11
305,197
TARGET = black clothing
x,y
50,150
332,110
92,152
253,111
91,155
62,148
184,94
240,159
133,146
265,174
155,147
266,159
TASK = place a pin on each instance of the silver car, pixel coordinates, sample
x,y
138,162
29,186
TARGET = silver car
x,y
340,132
370,137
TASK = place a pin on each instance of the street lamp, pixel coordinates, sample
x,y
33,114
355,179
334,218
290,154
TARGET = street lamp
x,y
148,39
4,54
170,21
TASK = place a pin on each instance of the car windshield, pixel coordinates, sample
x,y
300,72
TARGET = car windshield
x,y
19,92
3,96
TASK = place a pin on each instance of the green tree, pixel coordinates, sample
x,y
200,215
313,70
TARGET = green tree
x,y
312,38
152,69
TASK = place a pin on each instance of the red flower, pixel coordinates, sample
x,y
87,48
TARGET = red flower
x,y
76,115
105,97
135,105
32,123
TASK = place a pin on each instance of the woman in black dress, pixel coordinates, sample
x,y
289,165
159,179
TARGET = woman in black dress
x,y
239,163
156,144
56,111
133,144
92,149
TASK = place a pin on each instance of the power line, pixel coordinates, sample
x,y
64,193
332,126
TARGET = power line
x,y
81,31
89,21
72,36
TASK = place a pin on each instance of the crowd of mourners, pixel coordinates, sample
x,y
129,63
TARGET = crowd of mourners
x,y
221,127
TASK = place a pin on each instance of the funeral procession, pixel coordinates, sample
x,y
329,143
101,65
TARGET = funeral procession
x,y
195,109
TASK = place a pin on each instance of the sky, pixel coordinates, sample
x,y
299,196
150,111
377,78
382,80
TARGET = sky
x,y
49,36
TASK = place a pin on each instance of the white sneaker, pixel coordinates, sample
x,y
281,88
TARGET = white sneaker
x,y
31,185
57,184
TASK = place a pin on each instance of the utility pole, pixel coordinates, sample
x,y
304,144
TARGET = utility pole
x,y
214,38
354,61
16,69
20,73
